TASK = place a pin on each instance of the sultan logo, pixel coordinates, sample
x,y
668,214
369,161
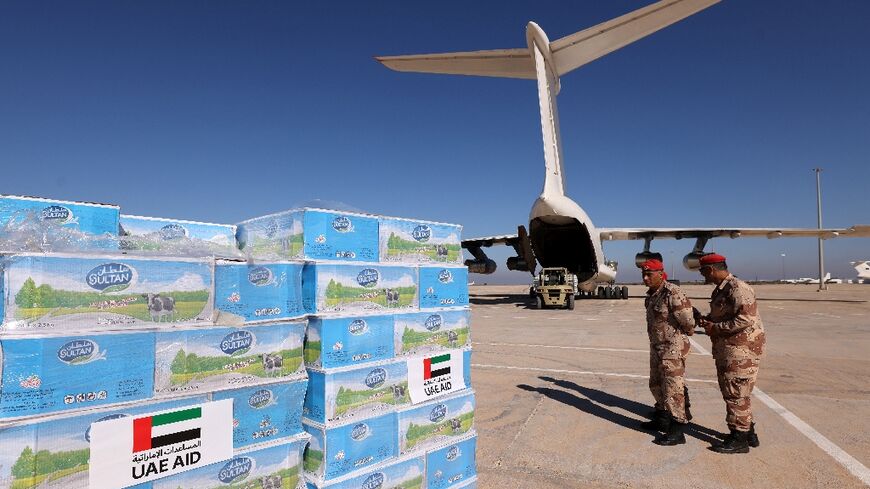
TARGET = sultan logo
x,y
368,277
165,429
173,231
342,224
260,276
80,352
453,453
237,343
376,378
359,432
236,470
434,322
421,233
111,277
374,481
260,399
445,277
57,214
438,413
358,327
436,366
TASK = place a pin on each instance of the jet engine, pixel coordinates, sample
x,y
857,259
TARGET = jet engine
x,y
692,261
644,256
485,266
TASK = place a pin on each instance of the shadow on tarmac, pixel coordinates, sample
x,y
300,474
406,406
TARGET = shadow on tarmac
x,y
518,300
602,399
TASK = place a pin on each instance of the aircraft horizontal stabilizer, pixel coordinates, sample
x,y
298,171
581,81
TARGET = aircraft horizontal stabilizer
x,y
504,63
578,49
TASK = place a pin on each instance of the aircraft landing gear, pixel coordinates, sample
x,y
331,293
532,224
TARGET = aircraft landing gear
x,y
611,292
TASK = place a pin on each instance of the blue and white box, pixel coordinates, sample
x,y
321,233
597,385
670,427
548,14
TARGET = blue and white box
x,y
48,293
341,341
410,241
466,366
358,288
452,465
250,293
274,467
156,233
52,374
407,473
435,423
314,234
266,412
424,333
336,396
87,218
443,287
210,359
63,446
337,451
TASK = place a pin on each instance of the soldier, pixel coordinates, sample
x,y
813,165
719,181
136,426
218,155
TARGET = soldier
x,y
669,321
737,334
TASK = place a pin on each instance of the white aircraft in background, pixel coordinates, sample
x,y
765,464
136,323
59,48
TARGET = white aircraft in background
x,y
560,233
863,269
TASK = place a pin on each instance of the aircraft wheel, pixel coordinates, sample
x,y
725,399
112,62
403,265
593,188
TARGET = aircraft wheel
x,y
608,292
601,292
539,304
570,302
625,292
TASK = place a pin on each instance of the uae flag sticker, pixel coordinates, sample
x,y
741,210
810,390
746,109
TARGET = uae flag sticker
x,y
436,366
430,377
166,429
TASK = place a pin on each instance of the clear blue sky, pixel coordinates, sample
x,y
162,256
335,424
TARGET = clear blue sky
x,y
220,111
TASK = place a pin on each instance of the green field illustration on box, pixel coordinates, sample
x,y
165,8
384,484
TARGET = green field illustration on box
x,y
403,240
342,287
427,332
436,422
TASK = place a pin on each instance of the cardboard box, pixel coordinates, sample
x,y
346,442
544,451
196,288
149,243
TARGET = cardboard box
x,y
265,413
424,333
435,423
341,341
408,473
91,220
56,450
58,292
410,241
250,293
52,374
336,396
314,234
176,235
337,451
273,467
443,287
358,288
452,465
211,359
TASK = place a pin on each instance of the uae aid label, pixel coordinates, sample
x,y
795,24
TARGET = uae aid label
x,y
134,449
434,376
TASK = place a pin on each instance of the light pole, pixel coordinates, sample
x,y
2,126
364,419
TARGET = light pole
x,y
783,266
822,284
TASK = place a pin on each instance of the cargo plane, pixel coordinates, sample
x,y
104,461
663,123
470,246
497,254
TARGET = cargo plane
x,y
560,233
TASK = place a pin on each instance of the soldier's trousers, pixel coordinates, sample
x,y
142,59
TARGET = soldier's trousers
x,y
737,370
667,367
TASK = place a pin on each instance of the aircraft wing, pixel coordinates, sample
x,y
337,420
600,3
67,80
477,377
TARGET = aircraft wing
x,y
503,63
618,234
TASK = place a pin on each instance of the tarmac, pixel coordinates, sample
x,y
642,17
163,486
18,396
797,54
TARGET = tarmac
x,y
560,394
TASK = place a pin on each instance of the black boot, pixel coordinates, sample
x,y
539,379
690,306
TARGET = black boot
x,y
736,442
673,436
751,437
688,403
658,421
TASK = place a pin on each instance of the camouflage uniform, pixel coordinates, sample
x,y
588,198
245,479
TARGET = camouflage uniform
x,y
669,320
738,344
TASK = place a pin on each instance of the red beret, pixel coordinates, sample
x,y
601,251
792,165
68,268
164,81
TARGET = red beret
x,y
711,259
652,265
